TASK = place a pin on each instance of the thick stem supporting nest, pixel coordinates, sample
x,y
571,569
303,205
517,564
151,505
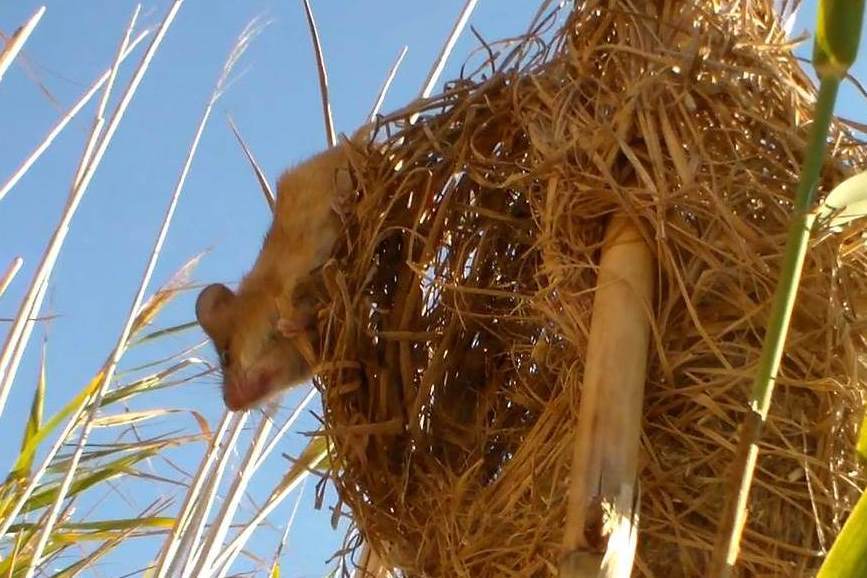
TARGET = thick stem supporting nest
x,y
602,521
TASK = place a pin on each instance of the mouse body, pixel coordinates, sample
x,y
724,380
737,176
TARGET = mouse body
x,y
265,332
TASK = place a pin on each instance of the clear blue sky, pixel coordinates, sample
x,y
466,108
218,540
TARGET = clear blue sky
x,y
276,105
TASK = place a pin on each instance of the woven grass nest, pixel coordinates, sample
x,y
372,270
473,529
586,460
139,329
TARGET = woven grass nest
x,y
458,312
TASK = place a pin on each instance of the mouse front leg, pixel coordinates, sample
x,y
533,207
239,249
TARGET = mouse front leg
x,y
298,312
343,198
295,324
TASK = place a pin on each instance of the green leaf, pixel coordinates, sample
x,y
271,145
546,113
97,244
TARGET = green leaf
x,y
34,423
28,450
107,471
105,525
848,555
314,456
847,202
164,332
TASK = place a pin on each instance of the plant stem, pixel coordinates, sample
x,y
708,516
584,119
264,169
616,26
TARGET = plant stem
x,y
734,514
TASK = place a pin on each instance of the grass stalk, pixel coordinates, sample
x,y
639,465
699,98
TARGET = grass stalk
x,y
290,421
601,522
138,300
838,31
280,493
14,45
19,334
192,540
222,567
10,273
439,64
284,539
734,514
383,90
330,134
232,499
123,339
270,197
73,111
184,518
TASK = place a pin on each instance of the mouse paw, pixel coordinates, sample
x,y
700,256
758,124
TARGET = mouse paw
x,y
295,325
344,196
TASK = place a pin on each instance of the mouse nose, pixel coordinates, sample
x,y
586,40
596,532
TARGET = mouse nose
x,y
232,396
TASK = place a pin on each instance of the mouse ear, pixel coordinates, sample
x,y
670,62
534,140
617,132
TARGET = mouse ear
x,y
212,308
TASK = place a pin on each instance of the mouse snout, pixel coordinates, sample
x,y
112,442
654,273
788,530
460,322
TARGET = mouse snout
x,y
246,392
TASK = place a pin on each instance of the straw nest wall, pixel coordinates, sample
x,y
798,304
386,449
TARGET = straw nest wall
x,y
458,312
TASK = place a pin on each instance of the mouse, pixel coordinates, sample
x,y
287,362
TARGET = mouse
x,y
265,332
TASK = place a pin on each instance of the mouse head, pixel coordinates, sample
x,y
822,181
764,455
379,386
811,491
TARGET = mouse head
x,y
256,360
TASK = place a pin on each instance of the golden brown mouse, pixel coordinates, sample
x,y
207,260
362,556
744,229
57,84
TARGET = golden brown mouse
x,y
256,329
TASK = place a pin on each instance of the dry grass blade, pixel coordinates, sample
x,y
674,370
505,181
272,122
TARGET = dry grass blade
x,y
436,70
330,134
290,421
65,119
383,90
82,180
10,273
284,539
184,518
312,456
217,534
439,64
19,334
14,45
255,458
191,544
138,300
270,198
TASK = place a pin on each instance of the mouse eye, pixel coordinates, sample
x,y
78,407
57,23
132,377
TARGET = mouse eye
x,y
224,357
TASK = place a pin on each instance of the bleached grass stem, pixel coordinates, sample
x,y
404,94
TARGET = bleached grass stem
x,y
383,90
270,198
330,134
19,334
192,542
440,63
123,340
22,327
284,539
14,45
183,519
277,497
223,570
65,119
63,490
10,273
232,499
602,485
296,413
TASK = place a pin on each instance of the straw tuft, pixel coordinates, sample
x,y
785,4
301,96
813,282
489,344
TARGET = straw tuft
x,y
456,317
